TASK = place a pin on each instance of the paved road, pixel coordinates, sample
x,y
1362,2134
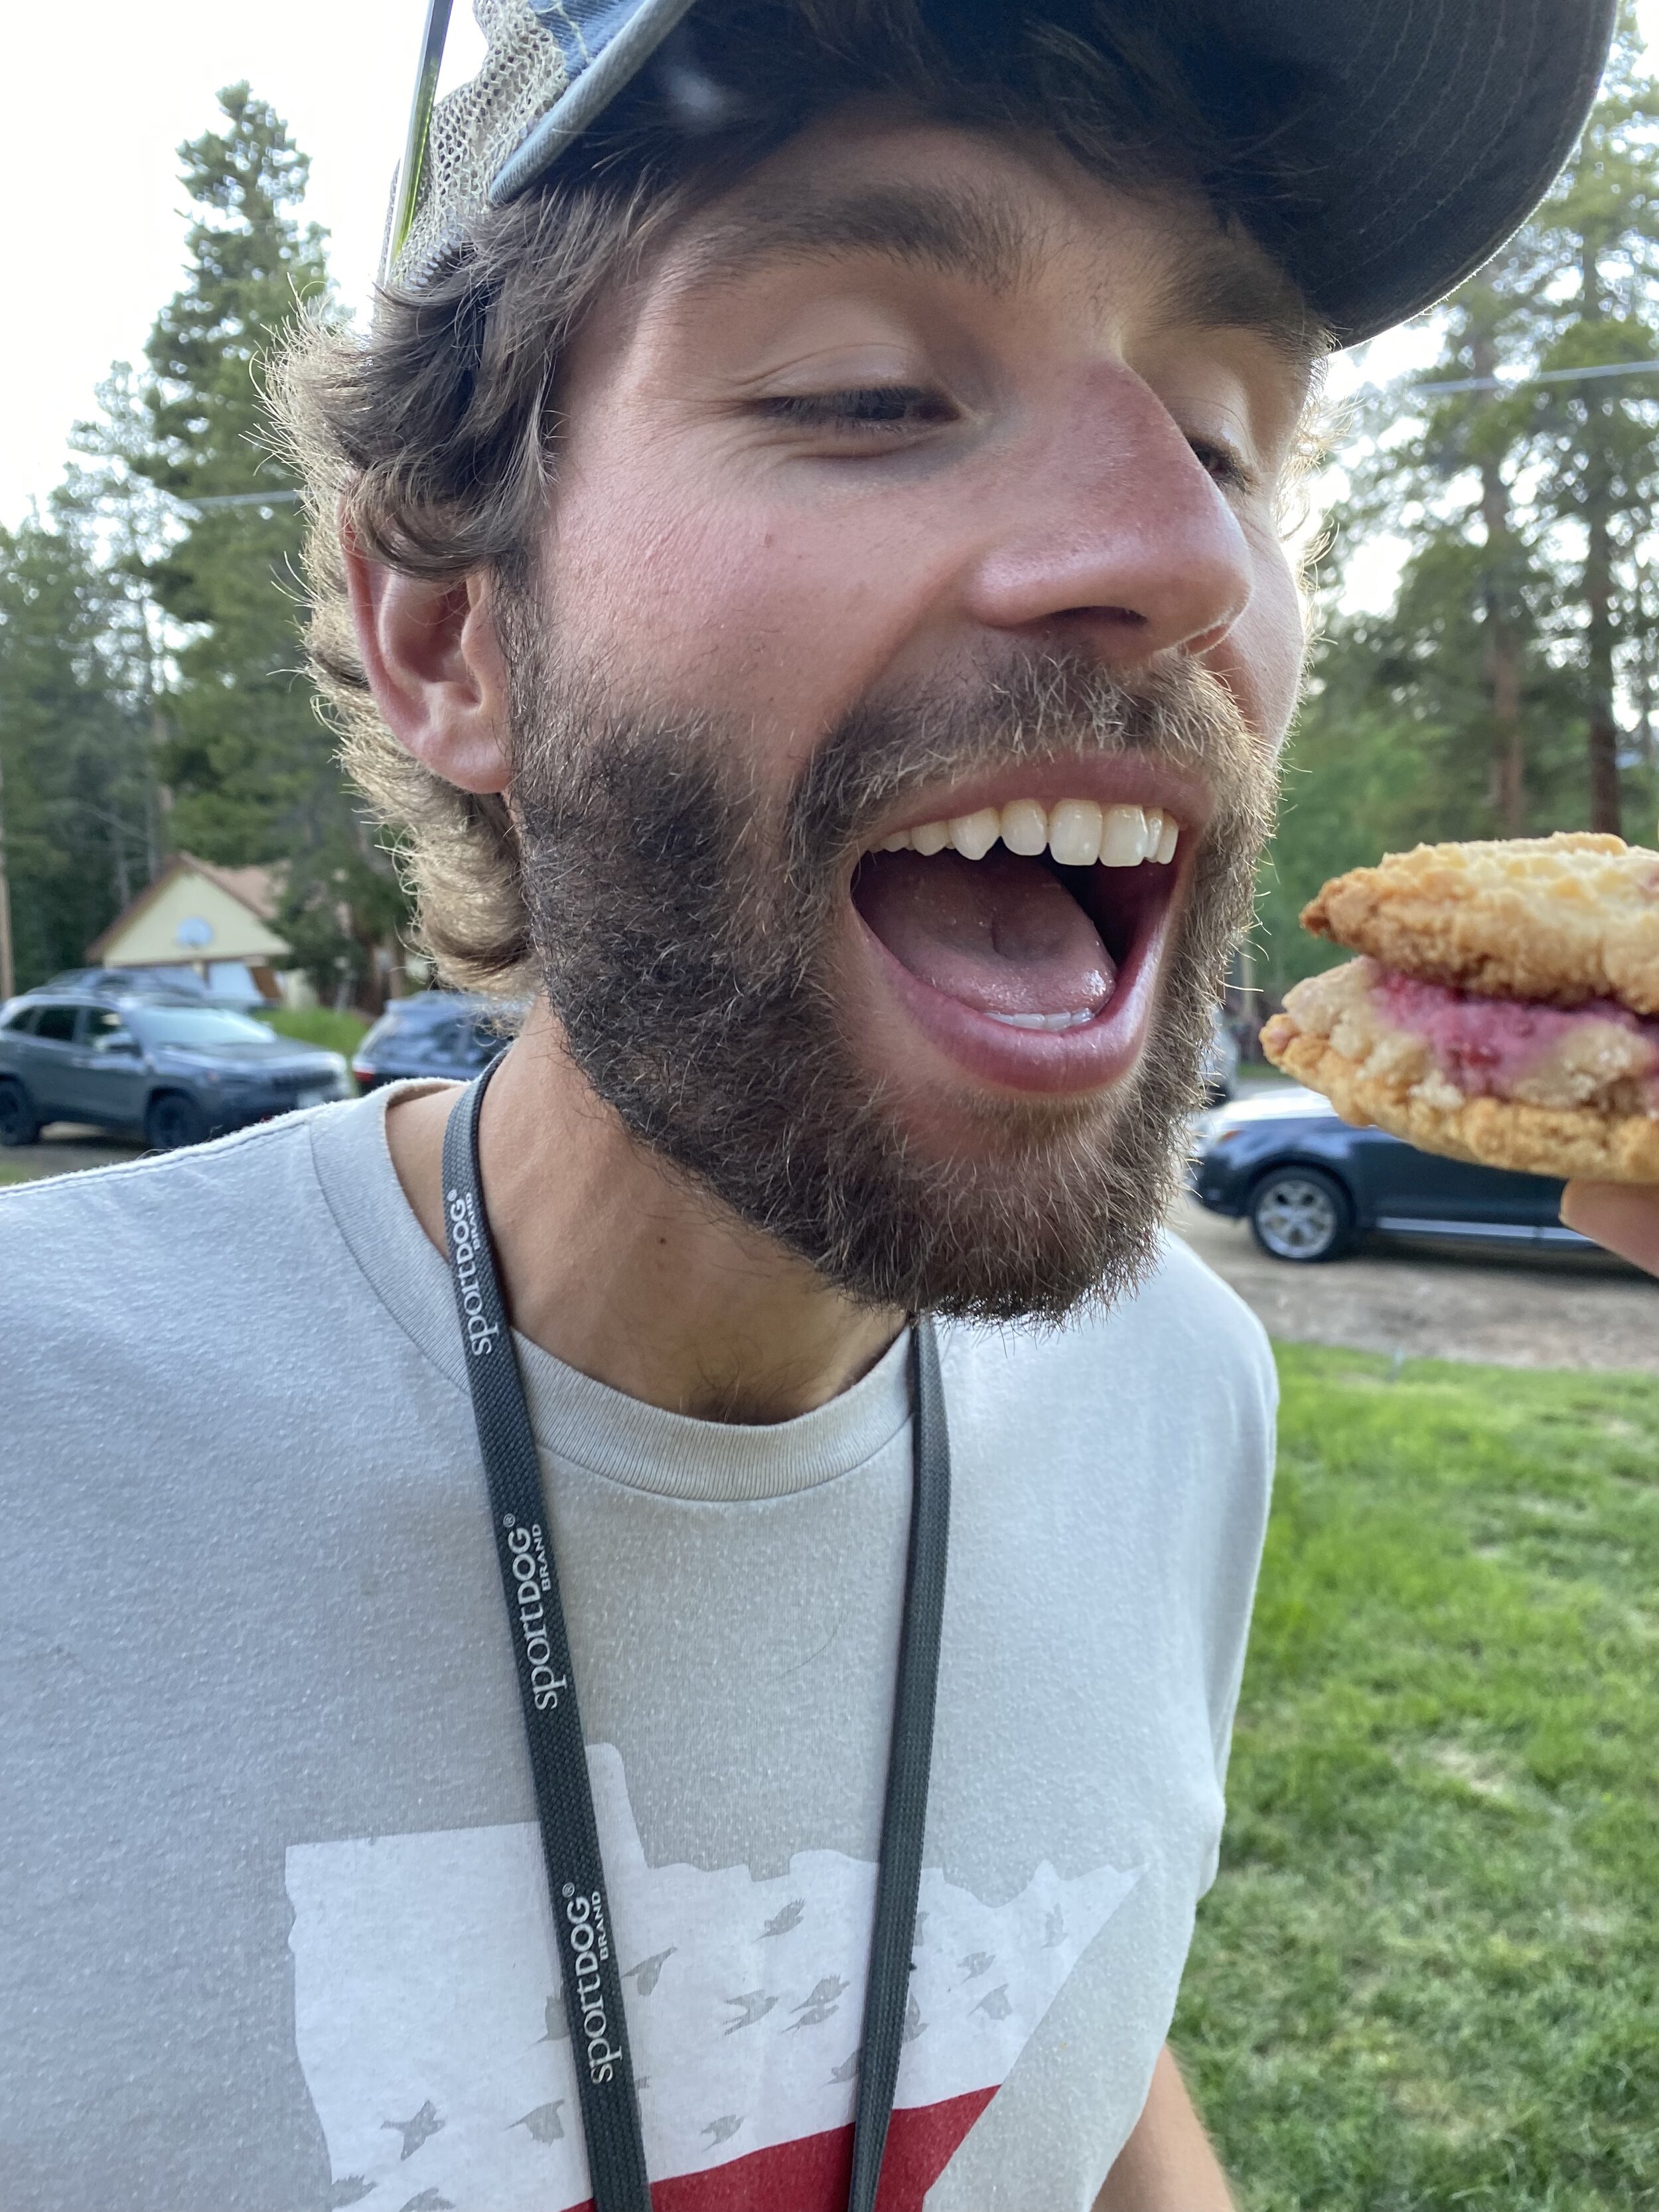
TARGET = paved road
x,y
1388,1298
1437,1305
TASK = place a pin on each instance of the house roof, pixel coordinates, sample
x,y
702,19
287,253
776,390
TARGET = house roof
x,y
259,890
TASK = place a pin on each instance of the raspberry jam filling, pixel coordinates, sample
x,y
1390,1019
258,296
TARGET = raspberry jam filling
x,y
1487,1047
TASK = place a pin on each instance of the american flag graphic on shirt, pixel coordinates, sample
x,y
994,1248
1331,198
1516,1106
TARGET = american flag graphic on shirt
x,y
431,2030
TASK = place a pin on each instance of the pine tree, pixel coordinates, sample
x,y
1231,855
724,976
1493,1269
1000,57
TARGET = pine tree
x,y
73,755
1593,442
1476,586
1483,440
251,769
1510,688
124,522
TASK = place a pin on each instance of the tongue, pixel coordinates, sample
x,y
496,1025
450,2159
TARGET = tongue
x,y
1002,934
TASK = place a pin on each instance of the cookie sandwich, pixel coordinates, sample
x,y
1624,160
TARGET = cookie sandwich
x,y
1504,1006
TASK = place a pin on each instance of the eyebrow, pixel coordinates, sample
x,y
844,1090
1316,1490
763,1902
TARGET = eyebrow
x,y
981,236
1223,281
1219,280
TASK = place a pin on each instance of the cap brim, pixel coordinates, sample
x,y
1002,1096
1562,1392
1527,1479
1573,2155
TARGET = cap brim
x,y
1407,139
1424,133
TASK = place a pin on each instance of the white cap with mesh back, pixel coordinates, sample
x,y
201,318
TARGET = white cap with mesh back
x,y
1423,131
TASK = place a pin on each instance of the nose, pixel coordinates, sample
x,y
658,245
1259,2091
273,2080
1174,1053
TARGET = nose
x,y
1112,538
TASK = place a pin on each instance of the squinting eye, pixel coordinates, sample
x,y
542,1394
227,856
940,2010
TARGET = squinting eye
x,y
1223,463
882,407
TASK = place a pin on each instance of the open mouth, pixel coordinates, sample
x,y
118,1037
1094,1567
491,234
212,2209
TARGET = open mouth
x,y
1025,938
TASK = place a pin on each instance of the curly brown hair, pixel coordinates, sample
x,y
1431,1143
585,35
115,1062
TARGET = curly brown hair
x,y
432,438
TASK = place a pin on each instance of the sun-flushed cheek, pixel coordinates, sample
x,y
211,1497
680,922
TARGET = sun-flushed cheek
x,y
648,582
751,607
1261,658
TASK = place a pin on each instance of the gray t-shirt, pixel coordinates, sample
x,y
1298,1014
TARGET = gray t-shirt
x,y
275,1934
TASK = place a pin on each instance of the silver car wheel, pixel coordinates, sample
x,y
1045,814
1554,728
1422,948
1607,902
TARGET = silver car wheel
x,y
1297,1219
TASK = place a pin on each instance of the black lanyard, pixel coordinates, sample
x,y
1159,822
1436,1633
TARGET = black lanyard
x,y
589,1968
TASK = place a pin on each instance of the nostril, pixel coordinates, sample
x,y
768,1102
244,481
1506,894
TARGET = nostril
x,y
1076,618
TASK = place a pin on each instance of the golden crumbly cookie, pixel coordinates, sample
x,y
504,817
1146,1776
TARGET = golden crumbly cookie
x,y
1494,1133
1559,918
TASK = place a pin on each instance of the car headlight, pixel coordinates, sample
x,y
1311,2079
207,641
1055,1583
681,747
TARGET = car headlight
x,y
1210,1130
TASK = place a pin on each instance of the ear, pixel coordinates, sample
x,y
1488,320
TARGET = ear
x,y
434,663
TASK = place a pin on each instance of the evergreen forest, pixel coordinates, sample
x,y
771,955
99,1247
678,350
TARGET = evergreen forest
x,y
151,697
1509,689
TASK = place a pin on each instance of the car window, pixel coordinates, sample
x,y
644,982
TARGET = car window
x,y
416,1039
101,1026
425,1037
486,1040
197,1027
56,1023
23,1018
444,1042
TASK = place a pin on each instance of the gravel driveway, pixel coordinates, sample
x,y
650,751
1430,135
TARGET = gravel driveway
x,y
1397,1296
64,1146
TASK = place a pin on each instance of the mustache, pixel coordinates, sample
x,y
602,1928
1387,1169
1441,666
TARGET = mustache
x,y
1043,712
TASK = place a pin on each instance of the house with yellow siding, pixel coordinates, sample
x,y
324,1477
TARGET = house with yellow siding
x,y
216,922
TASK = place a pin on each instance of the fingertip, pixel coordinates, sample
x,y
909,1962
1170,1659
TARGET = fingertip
x,y
1575,1196
1621,1217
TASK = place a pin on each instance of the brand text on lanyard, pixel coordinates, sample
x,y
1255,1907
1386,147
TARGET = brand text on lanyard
x,y
553,1729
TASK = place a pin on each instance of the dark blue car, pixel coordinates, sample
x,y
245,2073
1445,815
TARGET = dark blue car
x,y
1308,1184
435,1033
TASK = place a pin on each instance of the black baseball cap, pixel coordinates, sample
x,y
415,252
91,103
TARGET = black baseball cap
x,y
1418,134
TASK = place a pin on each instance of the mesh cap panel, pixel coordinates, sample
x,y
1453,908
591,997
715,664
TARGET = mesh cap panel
x,y
549,67
476,129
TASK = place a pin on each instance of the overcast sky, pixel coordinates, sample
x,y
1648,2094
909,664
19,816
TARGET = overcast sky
x,y
95,97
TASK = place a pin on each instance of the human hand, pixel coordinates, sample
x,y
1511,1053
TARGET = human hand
x,y
1622,1216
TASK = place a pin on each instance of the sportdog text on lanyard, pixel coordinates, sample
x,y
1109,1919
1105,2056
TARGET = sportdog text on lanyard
x,y
589,1974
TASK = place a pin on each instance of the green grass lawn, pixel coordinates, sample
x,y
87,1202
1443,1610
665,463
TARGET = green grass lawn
x,y
1429,1972
1260,1075
318,1026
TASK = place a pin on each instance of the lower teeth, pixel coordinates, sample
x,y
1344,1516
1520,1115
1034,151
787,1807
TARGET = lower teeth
x,y
1043,1021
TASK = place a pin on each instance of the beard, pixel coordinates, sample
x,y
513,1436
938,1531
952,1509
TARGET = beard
x,y
687,927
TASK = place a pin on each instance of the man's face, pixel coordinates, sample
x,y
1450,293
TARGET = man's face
x,y
920,481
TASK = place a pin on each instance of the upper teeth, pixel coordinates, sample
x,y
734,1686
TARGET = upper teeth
x,y
1077,832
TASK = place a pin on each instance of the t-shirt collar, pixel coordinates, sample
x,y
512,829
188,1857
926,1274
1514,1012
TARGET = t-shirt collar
x,y
576,1418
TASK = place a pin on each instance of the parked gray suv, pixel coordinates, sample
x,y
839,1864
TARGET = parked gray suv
x,y
174,1069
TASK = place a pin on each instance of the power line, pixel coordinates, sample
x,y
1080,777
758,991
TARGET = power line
x,y
240,499
1544,376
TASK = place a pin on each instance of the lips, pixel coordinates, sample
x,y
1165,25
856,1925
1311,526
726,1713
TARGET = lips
x,y
1024,940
